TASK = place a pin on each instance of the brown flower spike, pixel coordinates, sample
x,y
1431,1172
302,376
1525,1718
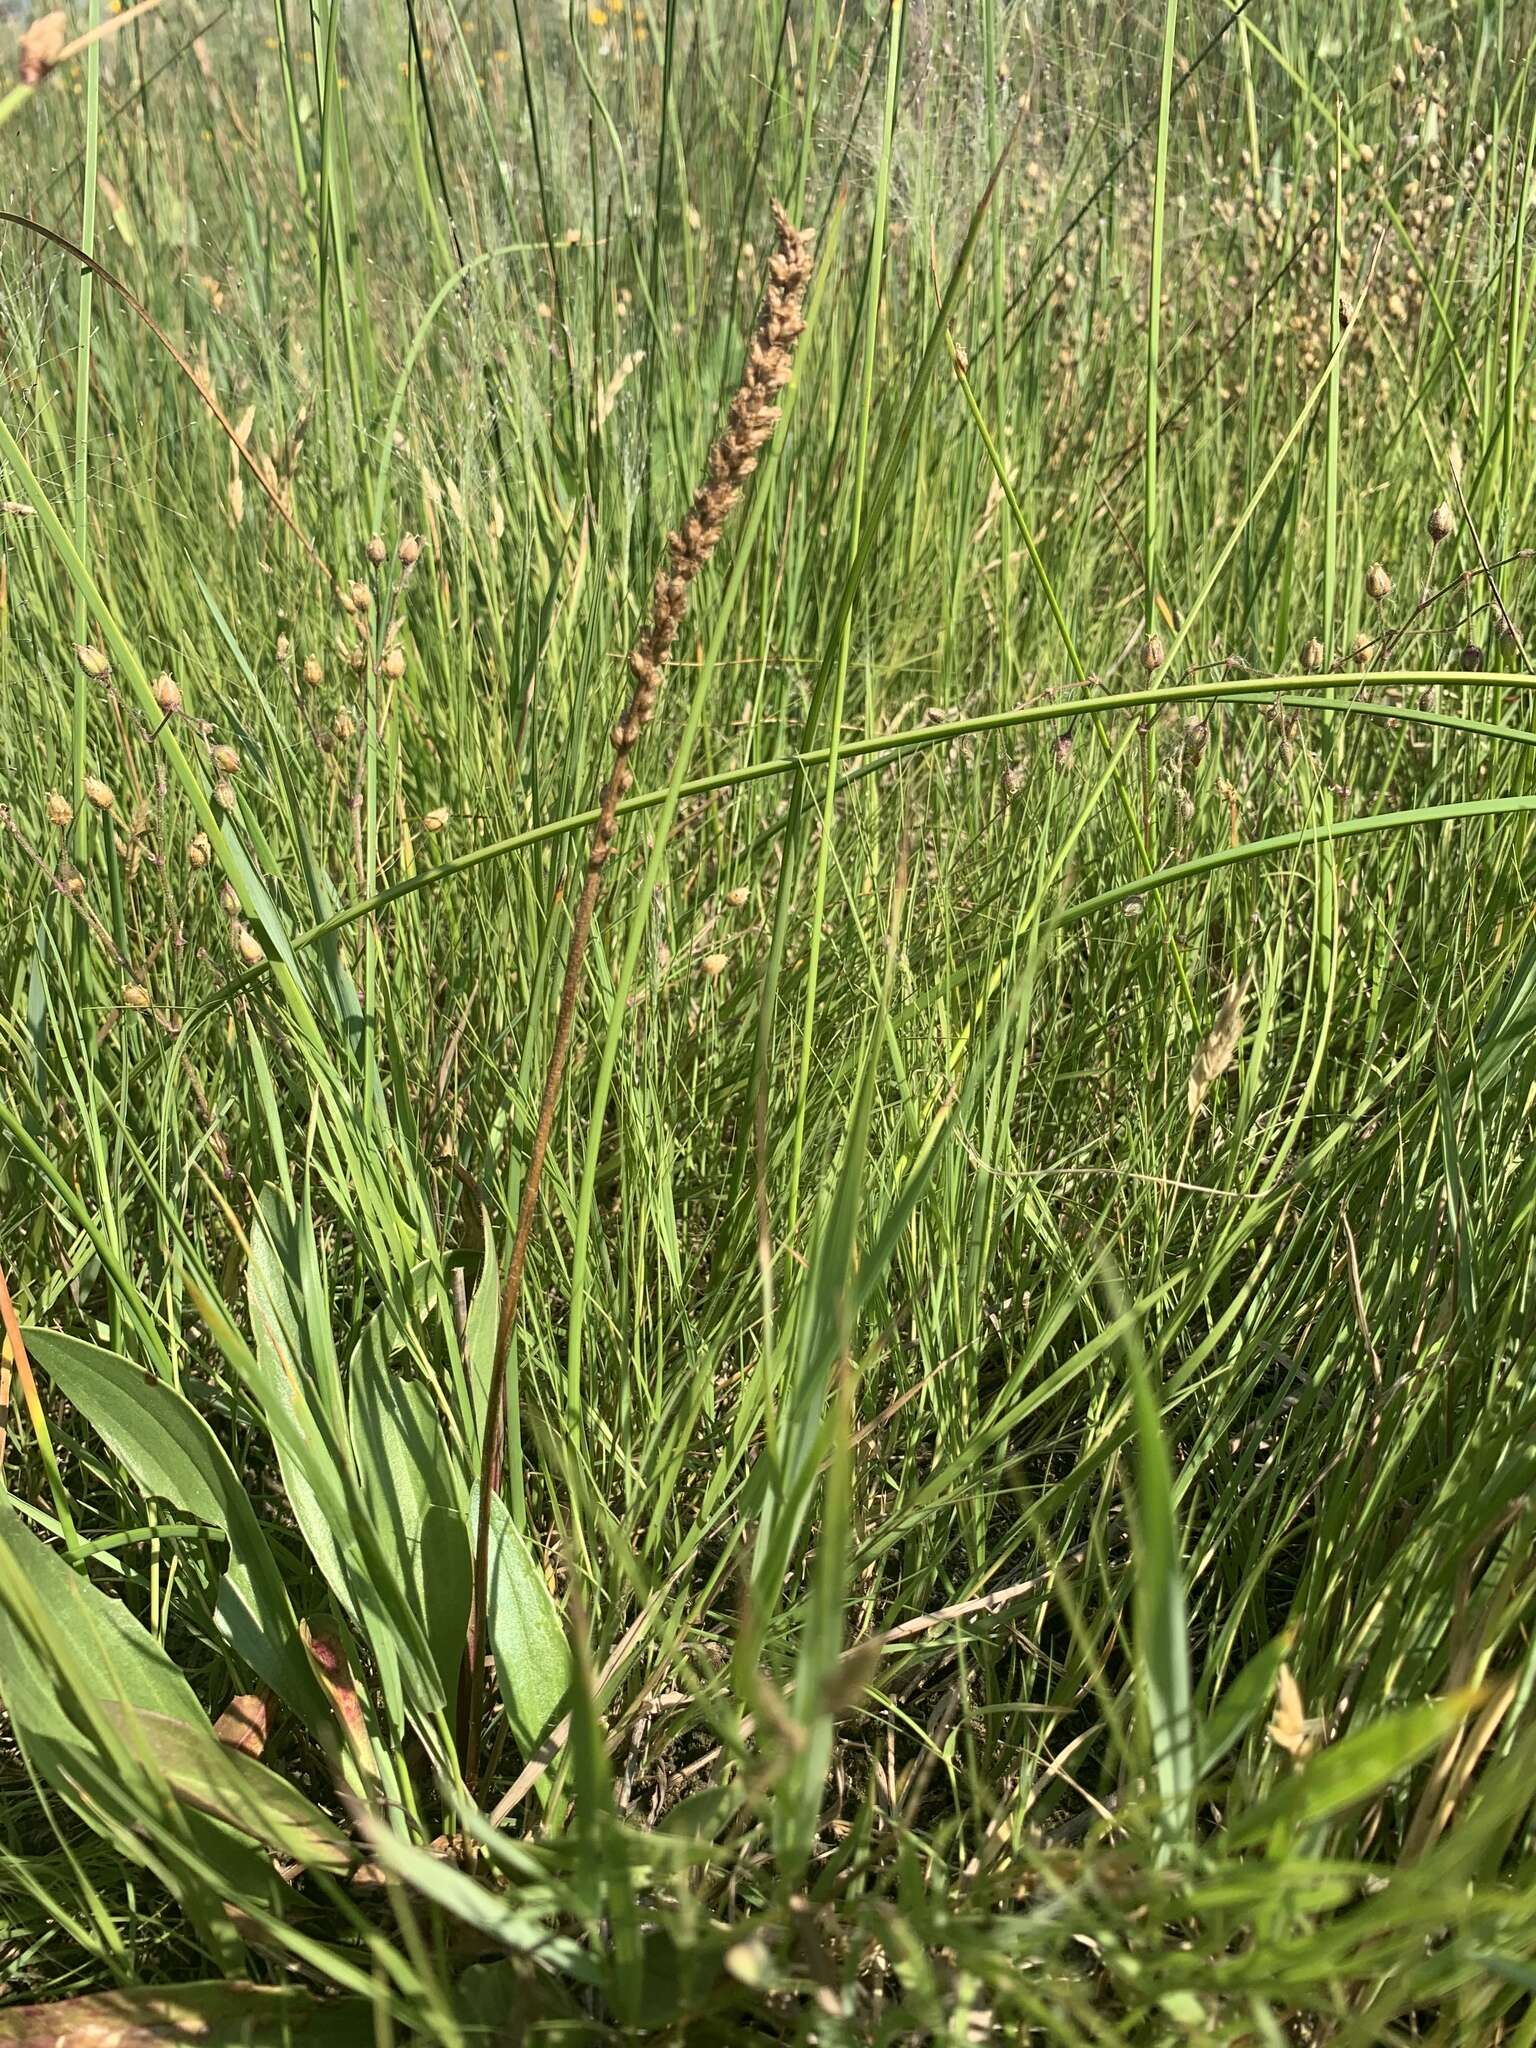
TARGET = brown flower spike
x,y
753,415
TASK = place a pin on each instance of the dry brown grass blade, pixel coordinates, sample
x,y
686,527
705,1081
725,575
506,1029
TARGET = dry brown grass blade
x,y
221,2012
115,284
749,427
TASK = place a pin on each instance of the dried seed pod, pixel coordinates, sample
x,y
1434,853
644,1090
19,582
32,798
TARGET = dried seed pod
x,y
376,550
93,663
229,902
248,946
1061,752
1442,523
199,851
737,898
1378,584
409,551
225,758
314,672
72,882
224,794
344,725
392,665
99,793
167,694
1361,649
362,598
284,649
135,996
1472,657
60,811
1152,655
436,819
713,965
1312,656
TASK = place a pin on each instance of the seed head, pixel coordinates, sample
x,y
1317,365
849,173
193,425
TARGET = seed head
x,y
362,598
1472,657
225,758
392,664
167,694
284,649
436,819
409,551
1378,584
224,794
135,996
229,902
376,550
344,725
1361,649
99,793
1312,656
93,663
74,883
1442,523
60,811
314,673
713,965
199,850
737,898
1062,752
248,946
1152,655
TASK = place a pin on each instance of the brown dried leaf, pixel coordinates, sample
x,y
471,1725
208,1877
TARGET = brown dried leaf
x,y
246,1723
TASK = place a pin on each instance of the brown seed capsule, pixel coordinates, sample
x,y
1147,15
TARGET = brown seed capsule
x,y
99,793
1152,655
314,672
713,965
224,794
248,946
376,550
60,811
93,663
225,758
199,850
135,996
1472,657
1378,584
284,649
229,902
1361,650
737,898
1062,751
1312,656
166,693
435,820
409,550
74,883
344,725
1442,523
361,596
392,666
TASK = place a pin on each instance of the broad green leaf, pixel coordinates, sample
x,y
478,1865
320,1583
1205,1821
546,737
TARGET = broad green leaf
x,y
170,1452
415,1497
1162,1637
230,1786
218,2015
533,1658
1363,1764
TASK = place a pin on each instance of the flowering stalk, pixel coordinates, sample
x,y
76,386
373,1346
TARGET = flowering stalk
x,y
753,416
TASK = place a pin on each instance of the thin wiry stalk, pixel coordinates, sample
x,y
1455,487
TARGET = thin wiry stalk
x,y
749,426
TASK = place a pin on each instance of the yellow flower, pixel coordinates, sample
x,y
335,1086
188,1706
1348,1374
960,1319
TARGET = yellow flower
x,y
598,16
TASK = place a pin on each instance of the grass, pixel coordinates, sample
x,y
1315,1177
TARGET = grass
x,y
1017,1499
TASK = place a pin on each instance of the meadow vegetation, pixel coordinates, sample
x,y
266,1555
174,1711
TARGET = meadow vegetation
x,y
1011,1513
